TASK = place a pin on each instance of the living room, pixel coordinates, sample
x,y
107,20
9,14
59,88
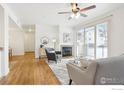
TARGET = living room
x,y
96,35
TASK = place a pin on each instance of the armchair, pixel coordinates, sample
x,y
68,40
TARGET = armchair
x,y
51,55
81,75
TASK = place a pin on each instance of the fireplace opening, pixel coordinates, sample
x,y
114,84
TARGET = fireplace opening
x,y
66,51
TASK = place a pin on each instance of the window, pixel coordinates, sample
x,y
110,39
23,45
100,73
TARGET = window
x,y
92,41
80,42
89,42
101,40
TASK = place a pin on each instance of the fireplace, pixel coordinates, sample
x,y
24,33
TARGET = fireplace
x,y
66,51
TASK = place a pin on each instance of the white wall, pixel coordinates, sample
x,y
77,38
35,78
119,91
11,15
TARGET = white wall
x,y
4,41
5,13
65,29
12,15
1,24
29,41
1,36
16,38
45,30
116,34
0,64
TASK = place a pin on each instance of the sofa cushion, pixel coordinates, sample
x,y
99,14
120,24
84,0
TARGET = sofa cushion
x,y
110,71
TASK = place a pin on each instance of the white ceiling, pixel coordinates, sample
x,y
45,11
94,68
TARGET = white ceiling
x,y
47,12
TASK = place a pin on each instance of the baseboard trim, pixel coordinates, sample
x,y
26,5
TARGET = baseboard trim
x,y
30,52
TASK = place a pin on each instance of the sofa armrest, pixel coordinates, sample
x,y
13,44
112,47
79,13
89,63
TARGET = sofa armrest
x,y
79,76
78,66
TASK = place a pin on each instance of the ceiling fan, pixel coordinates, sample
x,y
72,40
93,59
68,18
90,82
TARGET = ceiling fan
x,y
76,11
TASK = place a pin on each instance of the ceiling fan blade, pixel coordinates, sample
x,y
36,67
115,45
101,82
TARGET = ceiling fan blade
x,y
88,8
64,12
83,15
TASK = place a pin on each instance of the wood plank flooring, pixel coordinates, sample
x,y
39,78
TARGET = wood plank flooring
x,y
26,70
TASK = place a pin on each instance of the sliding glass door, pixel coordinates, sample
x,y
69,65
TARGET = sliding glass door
x,y
92,41
101,40
80,42
89,42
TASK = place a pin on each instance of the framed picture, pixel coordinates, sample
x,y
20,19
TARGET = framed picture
x,y
44,40
66,37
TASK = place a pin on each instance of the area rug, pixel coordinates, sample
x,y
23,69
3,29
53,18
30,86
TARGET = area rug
x,y
60,71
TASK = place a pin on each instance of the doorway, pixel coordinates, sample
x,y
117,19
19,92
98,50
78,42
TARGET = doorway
x,y
29,38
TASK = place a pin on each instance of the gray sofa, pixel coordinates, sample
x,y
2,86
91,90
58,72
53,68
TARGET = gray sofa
x,y
107,71
110,71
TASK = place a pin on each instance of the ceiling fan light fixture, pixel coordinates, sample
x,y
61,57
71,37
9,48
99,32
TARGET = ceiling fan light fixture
x,y
72,15
77,12
74,6
77,15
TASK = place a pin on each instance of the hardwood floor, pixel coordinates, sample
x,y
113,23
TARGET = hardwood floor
x,y
26,70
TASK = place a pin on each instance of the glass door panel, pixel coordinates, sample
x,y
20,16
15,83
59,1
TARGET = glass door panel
x,y
89,43
80,42
101,40
92,42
